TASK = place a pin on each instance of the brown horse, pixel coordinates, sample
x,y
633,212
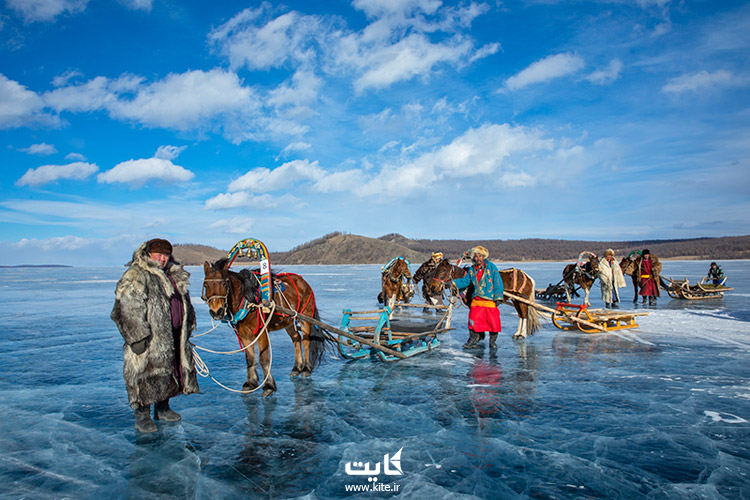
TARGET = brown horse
x,y
515,281
396,284
582,274
228,293
631,265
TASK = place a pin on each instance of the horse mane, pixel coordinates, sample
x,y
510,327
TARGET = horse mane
x,y
247,278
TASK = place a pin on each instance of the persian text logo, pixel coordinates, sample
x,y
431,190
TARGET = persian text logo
x,y
391,467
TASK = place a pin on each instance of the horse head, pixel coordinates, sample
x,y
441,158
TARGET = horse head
x,y
216,289
439,277
399,270
593,265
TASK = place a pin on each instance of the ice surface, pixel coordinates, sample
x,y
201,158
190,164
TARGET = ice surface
x,y
661,411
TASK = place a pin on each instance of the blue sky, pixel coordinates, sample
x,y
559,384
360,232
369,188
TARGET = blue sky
x,y
209,122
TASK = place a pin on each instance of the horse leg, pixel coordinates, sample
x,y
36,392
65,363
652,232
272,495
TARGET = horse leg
x,y
298,360
635,287
307,364
269,386
521,311
586,297
252,381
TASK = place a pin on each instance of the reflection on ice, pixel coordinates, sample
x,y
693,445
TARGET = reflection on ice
x,y
657,412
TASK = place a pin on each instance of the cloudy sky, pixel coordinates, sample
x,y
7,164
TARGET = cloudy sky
x,y
209,122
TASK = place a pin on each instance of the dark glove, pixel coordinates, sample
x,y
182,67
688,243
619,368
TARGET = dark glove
x,y
140,346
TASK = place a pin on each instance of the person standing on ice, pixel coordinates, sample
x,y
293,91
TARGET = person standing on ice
x,y
484,316
647,278
155,316
611,279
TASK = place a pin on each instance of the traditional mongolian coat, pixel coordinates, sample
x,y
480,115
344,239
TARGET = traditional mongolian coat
x,y
484,316
142,311
610,279
648,276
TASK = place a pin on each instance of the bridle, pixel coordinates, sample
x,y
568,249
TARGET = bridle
x,y
225,297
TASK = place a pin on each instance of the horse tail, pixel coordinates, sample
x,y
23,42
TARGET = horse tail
x,y
533,323
320,341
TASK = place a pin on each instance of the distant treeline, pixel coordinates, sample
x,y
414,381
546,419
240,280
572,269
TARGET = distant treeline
x,y
730,247
343,248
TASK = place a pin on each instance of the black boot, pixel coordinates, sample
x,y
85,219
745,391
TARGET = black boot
x,y
652,300
143,422
473,339
493,340
163,412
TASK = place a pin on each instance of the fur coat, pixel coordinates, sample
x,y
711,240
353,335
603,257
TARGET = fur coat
x,y
611,279
142,311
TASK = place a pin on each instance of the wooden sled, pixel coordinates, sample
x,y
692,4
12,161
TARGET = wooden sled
x,y
580,317
682,289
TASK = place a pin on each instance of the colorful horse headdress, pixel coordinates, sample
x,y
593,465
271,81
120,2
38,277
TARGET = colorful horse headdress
x,y
252,248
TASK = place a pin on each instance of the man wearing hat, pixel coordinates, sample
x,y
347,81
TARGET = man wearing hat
x,y
484,316
647,278
155,317
610,279
424,270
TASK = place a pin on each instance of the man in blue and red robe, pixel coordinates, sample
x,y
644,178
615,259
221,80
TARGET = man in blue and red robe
x,y
484,315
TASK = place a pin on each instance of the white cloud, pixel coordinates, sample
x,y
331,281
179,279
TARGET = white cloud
x,y
483,151
45,10
261,180
287,38
698,81
40,149
549,68
608,75
20,106
185,101
75,157
169,152
51,173
138,4
412,56
403,8
138,172
58,243
243,199
234,225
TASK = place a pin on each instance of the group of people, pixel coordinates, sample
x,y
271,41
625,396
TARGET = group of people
x,y
155,317
611,279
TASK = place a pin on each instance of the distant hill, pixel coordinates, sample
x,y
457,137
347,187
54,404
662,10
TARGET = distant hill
x,y
338,248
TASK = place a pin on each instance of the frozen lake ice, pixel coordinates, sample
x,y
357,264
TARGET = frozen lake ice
x,y
662,411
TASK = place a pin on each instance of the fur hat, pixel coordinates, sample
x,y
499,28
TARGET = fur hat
x,y
645,252
479,250
437,255
158,245
609,251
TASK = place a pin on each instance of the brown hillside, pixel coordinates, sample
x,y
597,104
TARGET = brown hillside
x,y
338,248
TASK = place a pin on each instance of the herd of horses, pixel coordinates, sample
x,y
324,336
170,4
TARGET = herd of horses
x,y
235,297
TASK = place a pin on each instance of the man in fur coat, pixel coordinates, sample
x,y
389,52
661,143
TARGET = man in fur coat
x,y
611,279
154,314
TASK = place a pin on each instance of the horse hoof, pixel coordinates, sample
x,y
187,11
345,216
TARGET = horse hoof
x,y
305,374
518,336
247,386
268,392
295,372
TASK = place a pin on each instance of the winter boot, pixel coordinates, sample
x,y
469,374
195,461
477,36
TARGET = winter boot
x,y
163,412
143,422
473,339
493,340
652,300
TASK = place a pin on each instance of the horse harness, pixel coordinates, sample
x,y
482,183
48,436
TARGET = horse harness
x,y
245,304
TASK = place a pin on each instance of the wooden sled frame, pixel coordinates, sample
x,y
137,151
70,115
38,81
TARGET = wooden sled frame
x,y
580,317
